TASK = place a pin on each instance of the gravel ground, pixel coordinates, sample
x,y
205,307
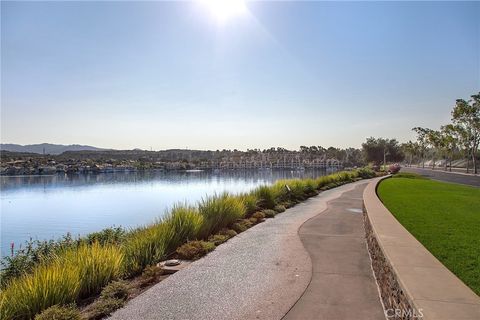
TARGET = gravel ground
x,y
259,274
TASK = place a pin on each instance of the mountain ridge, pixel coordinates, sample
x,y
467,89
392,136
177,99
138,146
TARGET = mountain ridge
x,y
47,148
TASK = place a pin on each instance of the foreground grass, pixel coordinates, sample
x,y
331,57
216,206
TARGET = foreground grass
x,y
67,271
444,217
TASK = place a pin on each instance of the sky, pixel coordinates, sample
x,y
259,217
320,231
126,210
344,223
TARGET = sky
x,y
166,75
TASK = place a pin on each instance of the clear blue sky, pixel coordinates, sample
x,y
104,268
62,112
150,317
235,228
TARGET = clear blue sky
x,y
168,74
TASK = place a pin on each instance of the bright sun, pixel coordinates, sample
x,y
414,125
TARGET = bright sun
x,y
223,10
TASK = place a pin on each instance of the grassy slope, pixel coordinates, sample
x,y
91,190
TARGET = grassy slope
x,y
444,217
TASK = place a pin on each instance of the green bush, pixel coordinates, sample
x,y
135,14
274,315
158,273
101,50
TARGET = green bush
x,y
366,173
279,208
269,213
150,275
219,212
107,236
242,225
69,312
218,239
230,233
259,216
105,307
185,222
193,250
117,290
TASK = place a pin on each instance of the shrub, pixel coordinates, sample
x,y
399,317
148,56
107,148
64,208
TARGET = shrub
x,y
268,213
366,173
193,250
279,208
116,289
151,275
69,312
105,307
218,239
230,233
107,236
185,223
242,225
266,197
146,246
218,212
259,216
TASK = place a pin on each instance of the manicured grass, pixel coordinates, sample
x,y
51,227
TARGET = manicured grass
x,y
444,217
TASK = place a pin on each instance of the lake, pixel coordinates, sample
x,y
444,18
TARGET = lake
x,y
47,207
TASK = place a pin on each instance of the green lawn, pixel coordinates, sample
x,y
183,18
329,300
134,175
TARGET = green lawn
x,y
444,217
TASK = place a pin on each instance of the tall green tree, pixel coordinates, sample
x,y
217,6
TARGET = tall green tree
x,y
450,143
410,149
466,114
422,139
381,150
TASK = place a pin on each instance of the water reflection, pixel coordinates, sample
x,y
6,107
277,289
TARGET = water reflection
x,y
45,207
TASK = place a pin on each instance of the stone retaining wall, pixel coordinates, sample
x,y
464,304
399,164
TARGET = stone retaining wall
x,y
413,284
393,297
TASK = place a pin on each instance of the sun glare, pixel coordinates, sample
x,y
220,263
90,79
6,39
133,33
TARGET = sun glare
x,y
223,10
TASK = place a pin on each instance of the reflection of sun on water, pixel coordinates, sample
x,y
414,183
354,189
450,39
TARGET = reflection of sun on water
x,y
223,10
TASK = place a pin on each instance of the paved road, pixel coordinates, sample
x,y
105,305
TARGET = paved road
x,y
342,285
446,176
259,274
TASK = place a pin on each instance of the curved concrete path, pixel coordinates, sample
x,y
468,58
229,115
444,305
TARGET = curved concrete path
x,y
259,274
343,285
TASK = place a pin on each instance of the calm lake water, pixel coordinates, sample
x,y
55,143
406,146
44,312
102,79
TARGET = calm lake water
x,y
47,207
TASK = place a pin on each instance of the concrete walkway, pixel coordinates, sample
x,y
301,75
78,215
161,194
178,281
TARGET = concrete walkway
x,y
439,174
342,285
261,273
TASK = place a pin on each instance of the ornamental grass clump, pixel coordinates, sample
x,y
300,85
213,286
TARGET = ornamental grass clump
x,y
250,202
45,286
97,265
218,212
146,246
266,197
185,223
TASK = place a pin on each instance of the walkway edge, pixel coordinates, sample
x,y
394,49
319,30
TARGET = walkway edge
x,y
413,283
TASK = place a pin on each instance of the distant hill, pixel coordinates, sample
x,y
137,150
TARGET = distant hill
x,y
46,148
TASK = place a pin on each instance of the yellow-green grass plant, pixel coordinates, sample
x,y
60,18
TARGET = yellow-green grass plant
x,y
219,211
74,273
266,196
146,246
47,285
185,222
97,265
250,202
